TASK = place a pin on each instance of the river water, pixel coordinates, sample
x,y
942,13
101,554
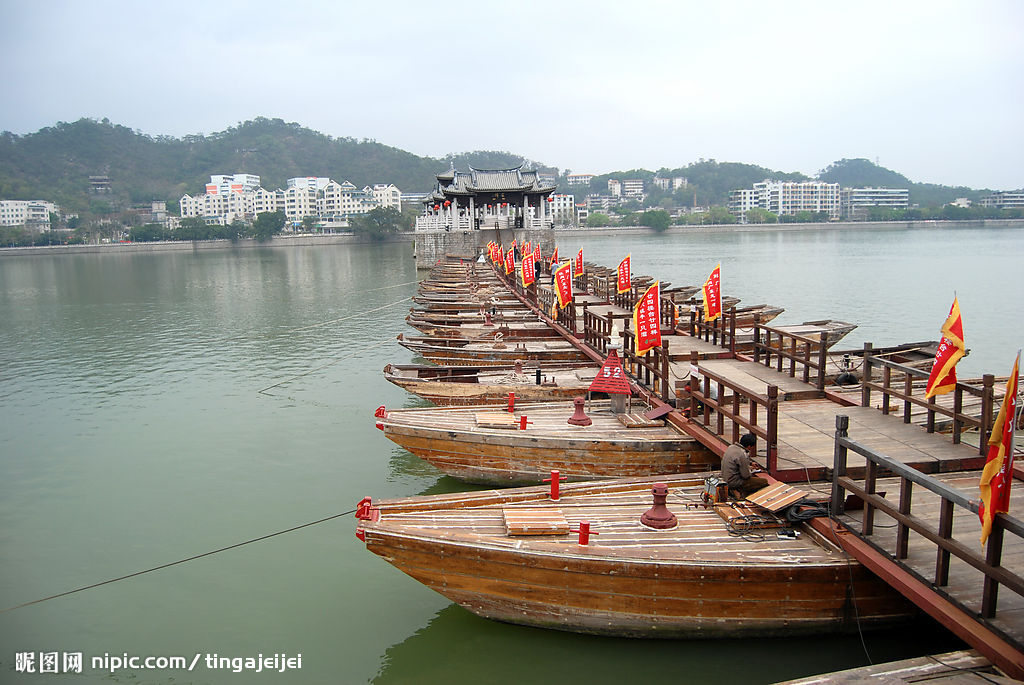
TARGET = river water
x,y
135,434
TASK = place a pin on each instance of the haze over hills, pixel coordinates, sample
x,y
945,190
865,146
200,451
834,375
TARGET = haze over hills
x,y
55,164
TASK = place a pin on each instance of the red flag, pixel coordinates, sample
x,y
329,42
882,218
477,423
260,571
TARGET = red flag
x,y
951,349
577,268
713,295
554,256
624,280
647,321
563,284
611,378
536,253
527,270
526,247
997,475
510,260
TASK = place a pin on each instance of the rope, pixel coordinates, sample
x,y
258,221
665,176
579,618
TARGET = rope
x,y
175,563
350,316
324,366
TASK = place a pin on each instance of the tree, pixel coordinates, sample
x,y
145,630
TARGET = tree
x,y
658,219
146,233
759,215
378,222
267,225
719,215
598,219
192,228
309,223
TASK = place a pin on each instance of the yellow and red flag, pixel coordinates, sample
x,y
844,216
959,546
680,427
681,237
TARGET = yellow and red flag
x,y
713,295
647,321
563,284
577,266
554,256
536,254
951,349
622,285
527,247
997,475
510,260
527,270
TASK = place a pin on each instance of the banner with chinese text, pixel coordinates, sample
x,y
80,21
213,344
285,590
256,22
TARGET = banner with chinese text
x,y
563,284
527,270
577,268
713,295
646,320
622,284
510,260
951,348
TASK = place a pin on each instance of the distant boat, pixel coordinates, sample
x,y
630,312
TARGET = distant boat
x,y
460,351
515,556
474,385
486,445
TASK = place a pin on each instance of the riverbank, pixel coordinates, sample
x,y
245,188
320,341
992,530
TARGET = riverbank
x,y
198,245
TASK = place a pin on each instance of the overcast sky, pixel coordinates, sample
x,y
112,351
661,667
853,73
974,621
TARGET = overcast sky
x,y
931,89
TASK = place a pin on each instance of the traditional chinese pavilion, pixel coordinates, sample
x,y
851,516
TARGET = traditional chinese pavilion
x,y
482,198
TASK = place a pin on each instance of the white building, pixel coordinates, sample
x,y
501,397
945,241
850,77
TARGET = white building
x,y
239,183
787,198
27,213
313,183
1004,199
386,195
633,187
614,187
562,208
674,183
579,179
854,202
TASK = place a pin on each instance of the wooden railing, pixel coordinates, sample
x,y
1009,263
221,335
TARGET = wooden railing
x,y
791,353
715,400
597,330
940,533
898,383
650,369
721,331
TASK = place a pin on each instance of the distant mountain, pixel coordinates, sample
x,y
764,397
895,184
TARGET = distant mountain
x,y
55,164
862,173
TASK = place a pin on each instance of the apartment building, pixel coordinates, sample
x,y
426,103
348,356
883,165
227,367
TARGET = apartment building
x,y
855,202
27,213
674,183
787,198
579,179
1004,199
562,208
633,187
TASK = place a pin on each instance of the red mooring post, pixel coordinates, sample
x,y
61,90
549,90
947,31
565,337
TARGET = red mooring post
x,y
585,533
511,401
554,479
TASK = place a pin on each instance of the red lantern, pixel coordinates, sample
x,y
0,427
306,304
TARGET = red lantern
x,y
488,206
437,207
551,199
447,203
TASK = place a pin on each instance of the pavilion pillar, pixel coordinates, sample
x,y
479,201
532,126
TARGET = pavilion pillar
x,y
472,213
455,213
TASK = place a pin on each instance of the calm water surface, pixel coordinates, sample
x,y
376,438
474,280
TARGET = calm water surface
x,y
135,434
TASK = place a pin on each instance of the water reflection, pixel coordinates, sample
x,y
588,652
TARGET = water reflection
x,y
459,647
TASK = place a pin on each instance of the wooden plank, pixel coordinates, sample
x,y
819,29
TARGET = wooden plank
x,y
776,496
496,419
636,420
747,517
519,521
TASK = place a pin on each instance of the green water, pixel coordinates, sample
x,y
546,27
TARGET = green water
x,y
134,434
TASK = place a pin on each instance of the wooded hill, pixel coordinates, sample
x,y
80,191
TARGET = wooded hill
x,y
55,164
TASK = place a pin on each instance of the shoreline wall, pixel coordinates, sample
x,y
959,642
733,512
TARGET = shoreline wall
x,y
825,226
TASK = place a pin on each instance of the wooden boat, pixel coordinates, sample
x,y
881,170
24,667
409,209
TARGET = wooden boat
x,y
831,330
488,446
509,555
474,385
460,351
509,330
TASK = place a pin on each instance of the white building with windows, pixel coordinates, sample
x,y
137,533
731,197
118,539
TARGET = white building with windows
x,y
614,187
855,202
579,179
228,198
562,208
1004,199
633,187
34,213
787,198
674,183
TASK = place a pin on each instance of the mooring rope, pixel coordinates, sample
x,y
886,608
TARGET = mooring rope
x,y
350,316
324,366
180,561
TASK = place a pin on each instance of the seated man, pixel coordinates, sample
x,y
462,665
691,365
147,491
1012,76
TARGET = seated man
x,y
736,467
